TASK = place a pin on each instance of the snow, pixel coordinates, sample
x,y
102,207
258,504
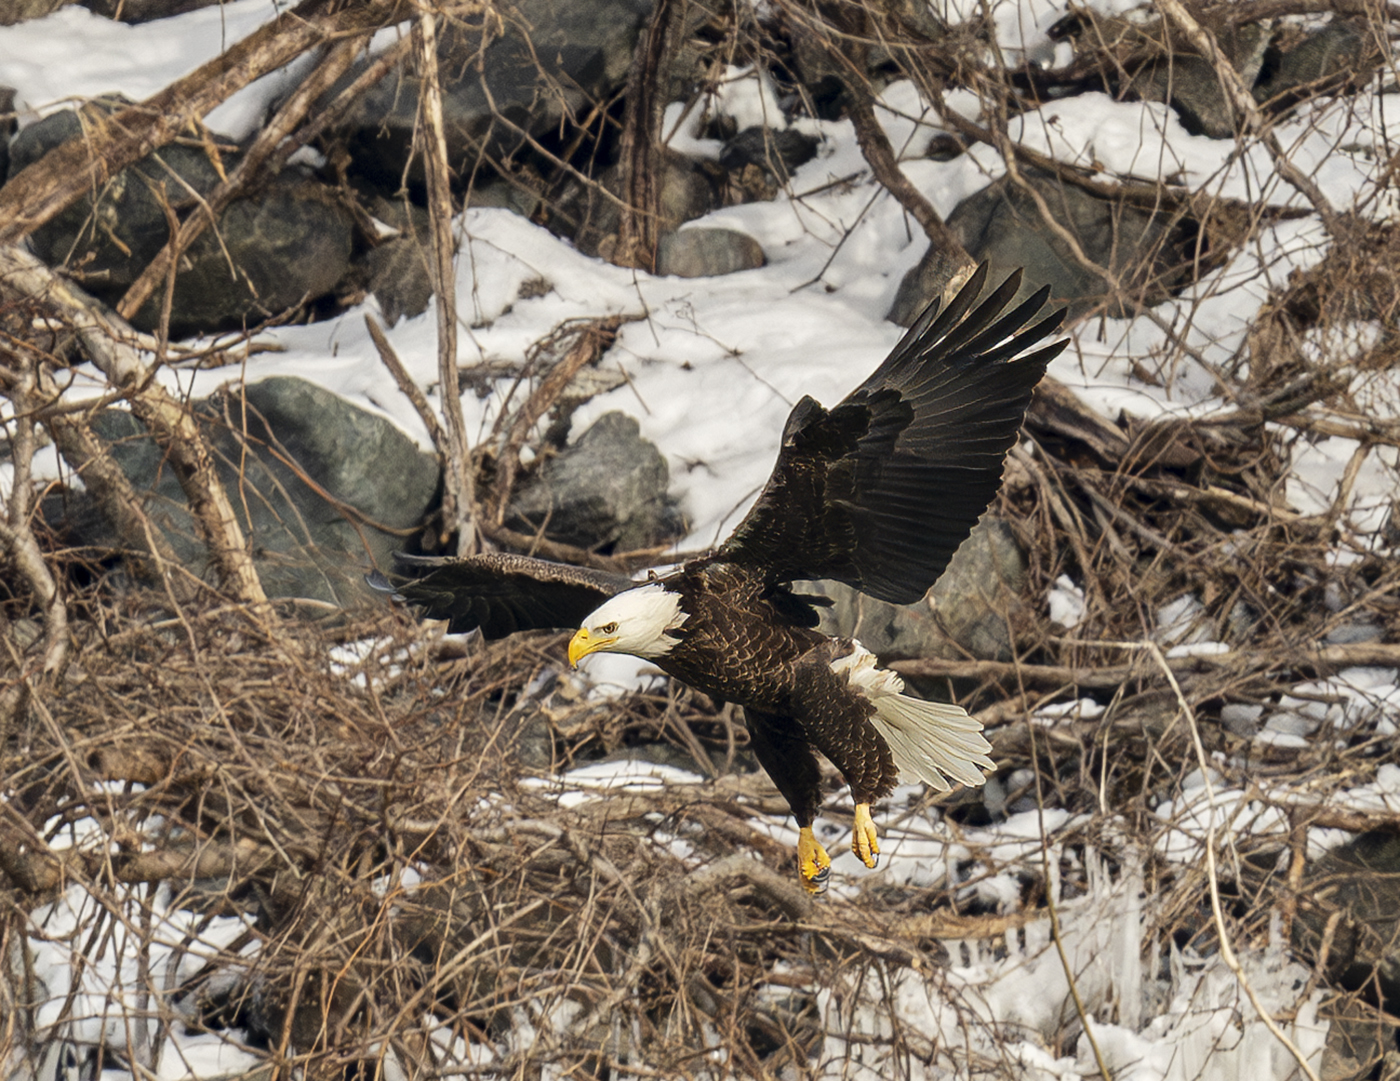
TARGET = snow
x,y
1066,603
711,369
73,55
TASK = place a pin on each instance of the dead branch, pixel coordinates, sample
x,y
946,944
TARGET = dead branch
x,y
21,549
1240,12
170,422
405,382
638,231
533,544
880,155
1320,660
43,870
1323,817
459,494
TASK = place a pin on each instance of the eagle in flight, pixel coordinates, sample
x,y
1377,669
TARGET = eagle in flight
x,y
877,492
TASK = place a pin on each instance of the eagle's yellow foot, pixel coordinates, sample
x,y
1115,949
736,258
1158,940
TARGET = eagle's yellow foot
x,y
865,842
813,863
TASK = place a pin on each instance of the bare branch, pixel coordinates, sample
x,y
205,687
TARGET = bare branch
x,y
459,496
639,156
170,422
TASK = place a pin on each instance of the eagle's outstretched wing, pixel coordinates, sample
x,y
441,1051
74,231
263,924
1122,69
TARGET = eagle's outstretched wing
x,y
500,594
879,491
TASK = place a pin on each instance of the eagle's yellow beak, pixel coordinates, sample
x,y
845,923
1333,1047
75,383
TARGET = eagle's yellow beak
x,y
583,643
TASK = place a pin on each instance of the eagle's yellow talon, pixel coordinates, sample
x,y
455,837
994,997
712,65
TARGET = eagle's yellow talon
x,y
865,842
813,863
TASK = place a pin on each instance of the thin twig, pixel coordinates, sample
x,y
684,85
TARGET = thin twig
x,y
1227,951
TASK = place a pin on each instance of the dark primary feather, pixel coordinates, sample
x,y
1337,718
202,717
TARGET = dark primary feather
x,y
500,594
880,490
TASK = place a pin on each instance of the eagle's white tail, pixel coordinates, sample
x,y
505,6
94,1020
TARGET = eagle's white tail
x,y
928,739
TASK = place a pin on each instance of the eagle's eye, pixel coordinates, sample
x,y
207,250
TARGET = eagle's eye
x,y
608,628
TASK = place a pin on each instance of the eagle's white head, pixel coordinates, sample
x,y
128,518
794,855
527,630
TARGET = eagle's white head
x,y
635,622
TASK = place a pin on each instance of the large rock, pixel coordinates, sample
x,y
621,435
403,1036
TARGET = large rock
x,y
606,490
1147,249
1192,87
18,11
1359,884
1315,61
273,251
302,441
966,612
144,11
289,245
552,62
107,242
703,253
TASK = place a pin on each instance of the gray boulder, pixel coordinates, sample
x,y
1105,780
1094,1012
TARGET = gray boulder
x,y
144,11
302,441
701,253
1280,68
1148,249
288,246
106,242
966,612
1359,883
606,490
272,252
553,61
1343,51
1192,87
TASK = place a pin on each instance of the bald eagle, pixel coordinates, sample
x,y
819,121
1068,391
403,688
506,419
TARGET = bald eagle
x,y
877,492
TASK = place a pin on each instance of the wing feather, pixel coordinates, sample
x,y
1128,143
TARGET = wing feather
x,y
499,593
880,490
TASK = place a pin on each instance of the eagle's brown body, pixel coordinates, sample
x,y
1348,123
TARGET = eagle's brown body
x,y
877,492
740,644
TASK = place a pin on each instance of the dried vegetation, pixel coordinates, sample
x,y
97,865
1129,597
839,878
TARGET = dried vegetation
x,y
406,900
